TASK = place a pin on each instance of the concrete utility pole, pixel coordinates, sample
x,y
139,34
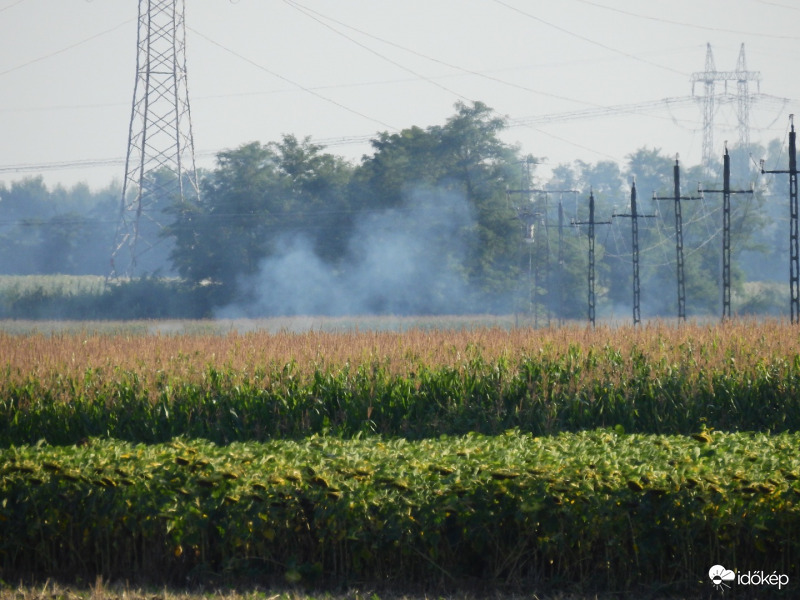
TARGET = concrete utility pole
x,y
160,165
634,216
558,305
794,247
559,308
531,214
676,175
591,279
726,192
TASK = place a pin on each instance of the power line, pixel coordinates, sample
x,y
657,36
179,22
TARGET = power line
x,y
635,108
308,14
690,25
566,141
585,39
448,64
712,235
290,81
527,121
778,4
66,49
12,5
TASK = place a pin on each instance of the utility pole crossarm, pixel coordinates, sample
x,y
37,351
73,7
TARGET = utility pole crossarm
x,y
591,278
634,216
713,76
726,192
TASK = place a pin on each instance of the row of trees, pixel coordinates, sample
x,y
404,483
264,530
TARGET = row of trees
x,y
447,182
66,231
423,224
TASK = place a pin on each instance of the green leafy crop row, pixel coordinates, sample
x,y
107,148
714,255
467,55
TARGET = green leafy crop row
x,y
590,510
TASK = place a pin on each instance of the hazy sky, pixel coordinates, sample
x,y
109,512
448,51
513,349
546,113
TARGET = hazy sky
x,y
342,70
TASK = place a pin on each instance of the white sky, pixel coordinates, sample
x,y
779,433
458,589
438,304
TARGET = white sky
x,y
67,69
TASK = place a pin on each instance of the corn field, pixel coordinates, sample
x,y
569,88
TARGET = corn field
x,y
65,388
608,460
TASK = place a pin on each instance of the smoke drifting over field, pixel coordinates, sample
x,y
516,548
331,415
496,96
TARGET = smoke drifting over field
x,y
398,261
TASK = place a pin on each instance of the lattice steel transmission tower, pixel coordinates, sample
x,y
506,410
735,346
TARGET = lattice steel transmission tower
x,y
159,165
709,77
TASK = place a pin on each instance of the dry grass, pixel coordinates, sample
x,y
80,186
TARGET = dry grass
x,y
103,591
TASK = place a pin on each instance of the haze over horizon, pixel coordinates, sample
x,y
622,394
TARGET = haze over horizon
x,y
342,74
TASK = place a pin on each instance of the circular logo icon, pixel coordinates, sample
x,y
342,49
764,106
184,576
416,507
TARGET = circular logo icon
x,y
719,575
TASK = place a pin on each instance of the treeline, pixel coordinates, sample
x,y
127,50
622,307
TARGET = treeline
x,y
424,224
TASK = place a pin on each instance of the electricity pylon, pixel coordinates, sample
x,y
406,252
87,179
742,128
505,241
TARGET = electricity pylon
x,y
709,77
159,165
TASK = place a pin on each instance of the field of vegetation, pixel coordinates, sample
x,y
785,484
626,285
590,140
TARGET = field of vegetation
x,y
571,460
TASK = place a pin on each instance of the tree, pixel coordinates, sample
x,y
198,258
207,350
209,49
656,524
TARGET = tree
x,y
604,178
565,177
652,170
223,236
315,188
66,231
465,157
28,198
255,195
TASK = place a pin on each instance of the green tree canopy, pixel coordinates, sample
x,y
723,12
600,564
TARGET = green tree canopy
x,y
256,193
464,156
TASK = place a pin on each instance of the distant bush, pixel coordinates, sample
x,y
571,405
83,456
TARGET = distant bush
x,y
91,297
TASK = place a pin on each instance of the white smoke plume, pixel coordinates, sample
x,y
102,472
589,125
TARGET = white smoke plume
x,y
400,261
